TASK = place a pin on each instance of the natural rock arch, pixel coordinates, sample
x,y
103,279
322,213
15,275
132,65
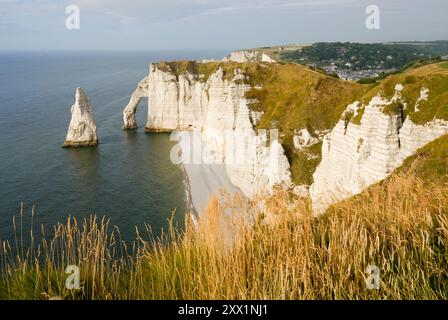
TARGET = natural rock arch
x,y
129,111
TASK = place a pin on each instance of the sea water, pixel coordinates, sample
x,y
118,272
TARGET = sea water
x,y
128,178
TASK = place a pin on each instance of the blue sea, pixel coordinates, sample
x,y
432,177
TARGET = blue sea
x,y
128,178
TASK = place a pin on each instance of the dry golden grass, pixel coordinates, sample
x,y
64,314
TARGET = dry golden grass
x,y
279,251
430,69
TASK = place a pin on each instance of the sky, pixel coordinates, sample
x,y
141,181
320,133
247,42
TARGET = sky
x,y
213,24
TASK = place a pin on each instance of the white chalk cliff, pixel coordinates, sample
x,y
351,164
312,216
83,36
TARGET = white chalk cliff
x,y
303,139
82,128
248,56
267,58
242,56
217,108
355,156
129,111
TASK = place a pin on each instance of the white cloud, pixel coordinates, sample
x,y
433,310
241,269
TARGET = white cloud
x,y
173,10
212,23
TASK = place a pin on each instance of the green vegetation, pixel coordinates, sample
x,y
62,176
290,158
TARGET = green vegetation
x,y
361,56
357,119
203,71
195,69
304,163
367,81
432,77
394,108
294,97
430,162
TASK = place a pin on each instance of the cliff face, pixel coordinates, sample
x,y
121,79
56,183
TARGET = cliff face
x,y
248,56
355,156
129,111
224,102
82,128
216,107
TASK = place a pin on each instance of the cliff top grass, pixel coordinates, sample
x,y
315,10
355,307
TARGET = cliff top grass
x,y
203,71
433,77
295,97
428,69
182,67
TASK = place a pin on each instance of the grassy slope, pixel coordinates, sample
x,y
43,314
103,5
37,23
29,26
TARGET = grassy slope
x,y
433,77
277,52
294,97
430,162
400,226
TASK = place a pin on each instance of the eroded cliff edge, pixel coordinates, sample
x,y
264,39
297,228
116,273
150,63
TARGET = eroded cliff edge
x,y
335,137
356,156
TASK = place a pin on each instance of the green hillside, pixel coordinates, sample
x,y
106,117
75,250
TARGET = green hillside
x,y
367,55
430,163
433,77
294,97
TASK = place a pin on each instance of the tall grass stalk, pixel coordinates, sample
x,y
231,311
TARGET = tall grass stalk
x,y
281,252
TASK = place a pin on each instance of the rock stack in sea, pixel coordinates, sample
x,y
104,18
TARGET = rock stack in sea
x,y
82,128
